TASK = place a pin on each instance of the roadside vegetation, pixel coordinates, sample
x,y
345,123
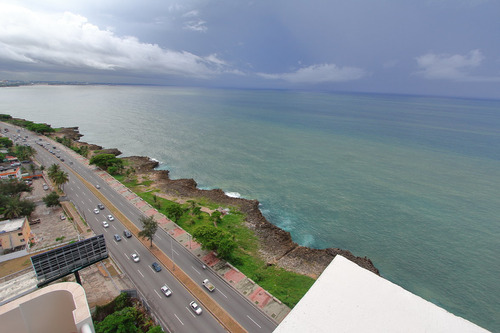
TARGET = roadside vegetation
x,y
125,315
230,238
29,125
109,162
11,204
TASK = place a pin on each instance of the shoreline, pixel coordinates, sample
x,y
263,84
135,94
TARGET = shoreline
x,y
276,246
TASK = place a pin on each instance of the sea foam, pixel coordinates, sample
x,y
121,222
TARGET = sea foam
x,y
233,194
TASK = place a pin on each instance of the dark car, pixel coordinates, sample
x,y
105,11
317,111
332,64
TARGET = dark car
x,y
127,233
117,237
100,206
156,266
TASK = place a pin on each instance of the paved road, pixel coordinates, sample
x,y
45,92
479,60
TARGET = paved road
x,y
172,311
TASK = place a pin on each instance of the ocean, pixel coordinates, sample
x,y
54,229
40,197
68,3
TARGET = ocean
x,y
411,182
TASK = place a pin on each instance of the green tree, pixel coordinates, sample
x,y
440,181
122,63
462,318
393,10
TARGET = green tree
x,y
51,199
13,208
39,128
226,246
149,227
53,170
105,161
216,217
13,187
6,142
27,207
24,153
123,321
155,329
175,212
215,239
4,117
60,178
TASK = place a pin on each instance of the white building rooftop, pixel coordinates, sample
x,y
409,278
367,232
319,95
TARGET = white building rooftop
x,y
349,298
11,225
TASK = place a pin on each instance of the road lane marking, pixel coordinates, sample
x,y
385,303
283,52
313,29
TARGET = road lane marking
x,y
253,321
220,292
179,319
141,274
77,195
175,252
191,312
114,227
157,294
196,270
126,256
158,237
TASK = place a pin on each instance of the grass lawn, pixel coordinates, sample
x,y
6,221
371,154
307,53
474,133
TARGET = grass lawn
x,y
289,287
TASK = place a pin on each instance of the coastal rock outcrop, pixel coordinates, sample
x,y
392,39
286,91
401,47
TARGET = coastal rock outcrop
x,y
276,244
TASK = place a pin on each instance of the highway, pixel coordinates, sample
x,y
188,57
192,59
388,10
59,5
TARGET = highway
x,y
173,312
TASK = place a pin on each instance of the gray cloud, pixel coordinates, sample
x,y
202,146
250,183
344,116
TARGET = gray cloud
x,y
454,67
69,40
322,73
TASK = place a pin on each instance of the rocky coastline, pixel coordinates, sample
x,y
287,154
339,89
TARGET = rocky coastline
x,y
276,246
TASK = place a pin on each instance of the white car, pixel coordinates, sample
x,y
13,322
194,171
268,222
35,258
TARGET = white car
x,y
96,210
166,290
135,257
111,218
105,224
97,186
195,307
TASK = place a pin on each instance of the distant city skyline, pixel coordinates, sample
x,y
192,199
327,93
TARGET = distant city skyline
x,y
430,47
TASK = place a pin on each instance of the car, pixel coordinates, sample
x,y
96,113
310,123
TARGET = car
x,y
156,266
166,290
135,257
105,224
98,186
111,218
195,307
127,233
63,217
117,237
96,210
45,187
100,206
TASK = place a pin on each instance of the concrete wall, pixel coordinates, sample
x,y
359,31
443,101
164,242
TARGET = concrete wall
x,y
58,308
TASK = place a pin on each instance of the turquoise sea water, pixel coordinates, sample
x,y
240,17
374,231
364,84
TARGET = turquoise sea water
x,y
411,182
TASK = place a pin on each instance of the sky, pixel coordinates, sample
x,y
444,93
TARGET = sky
x,y
424,47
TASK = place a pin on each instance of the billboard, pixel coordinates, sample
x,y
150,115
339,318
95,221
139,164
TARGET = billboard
x,y
55,264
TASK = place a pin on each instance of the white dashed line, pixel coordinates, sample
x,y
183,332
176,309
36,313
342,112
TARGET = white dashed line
x,y
220,292
179,319
253,321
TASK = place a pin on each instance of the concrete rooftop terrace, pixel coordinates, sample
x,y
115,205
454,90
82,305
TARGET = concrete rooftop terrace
x,y
348,298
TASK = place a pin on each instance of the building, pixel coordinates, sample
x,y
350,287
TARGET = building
x,y
14,233
11,173
349,298
57,308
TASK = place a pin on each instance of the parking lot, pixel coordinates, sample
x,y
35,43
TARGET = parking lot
x,y
52,230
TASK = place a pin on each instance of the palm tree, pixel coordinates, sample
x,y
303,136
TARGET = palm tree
x,y
60,178
13,208
53,169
